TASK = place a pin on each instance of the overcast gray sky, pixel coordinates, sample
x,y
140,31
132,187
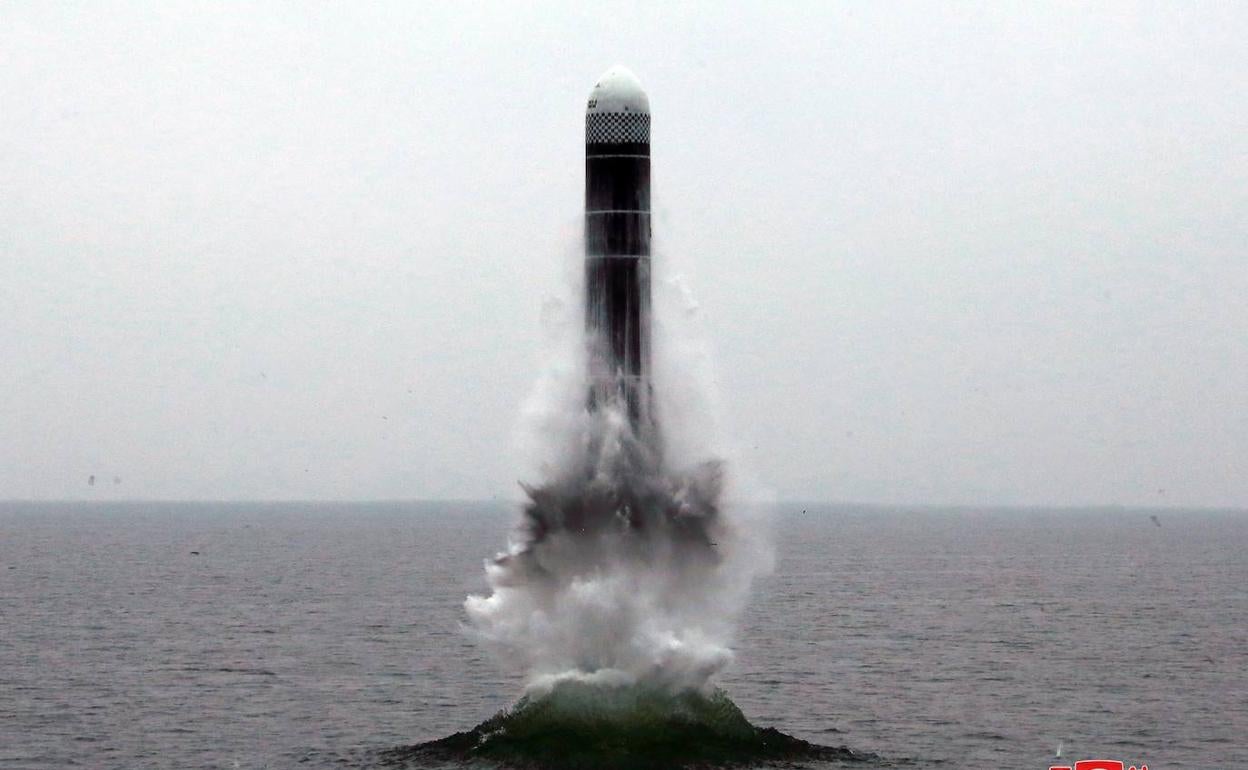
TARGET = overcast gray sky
x,y
947,253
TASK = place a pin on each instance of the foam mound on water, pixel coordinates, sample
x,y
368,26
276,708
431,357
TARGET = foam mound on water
x,y
578,724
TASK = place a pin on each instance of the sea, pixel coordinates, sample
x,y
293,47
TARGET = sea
x,y
315,635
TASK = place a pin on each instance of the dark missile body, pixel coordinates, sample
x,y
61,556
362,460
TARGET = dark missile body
x,y
617,245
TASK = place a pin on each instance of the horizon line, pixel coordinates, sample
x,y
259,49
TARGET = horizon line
x,y
793,503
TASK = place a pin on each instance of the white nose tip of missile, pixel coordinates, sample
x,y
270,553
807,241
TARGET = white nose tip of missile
x,y
618,90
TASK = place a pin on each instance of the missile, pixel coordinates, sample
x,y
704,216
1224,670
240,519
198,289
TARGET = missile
x,y
617,246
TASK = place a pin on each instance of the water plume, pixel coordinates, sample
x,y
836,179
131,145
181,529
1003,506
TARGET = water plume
x,y
619,590
627,564
620,569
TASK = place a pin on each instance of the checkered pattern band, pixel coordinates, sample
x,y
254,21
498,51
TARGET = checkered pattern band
x,y
617,127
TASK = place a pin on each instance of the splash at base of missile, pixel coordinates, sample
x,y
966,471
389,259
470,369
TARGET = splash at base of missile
x,y
618,596
620,572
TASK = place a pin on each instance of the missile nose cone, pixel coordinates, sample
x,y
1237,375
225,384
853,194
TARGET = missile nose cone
x,y
618,111
618,90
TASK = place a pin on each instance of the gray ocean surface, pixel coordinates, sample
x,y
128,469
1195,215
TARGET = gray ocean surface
x,y
244,635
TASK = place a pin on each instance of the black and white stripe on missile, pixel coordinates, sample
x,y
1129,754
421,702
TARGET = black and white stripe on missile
x,y
617,128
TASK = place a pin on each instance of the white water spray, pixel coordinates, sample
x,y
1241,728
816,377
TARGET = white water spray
x,y
629,566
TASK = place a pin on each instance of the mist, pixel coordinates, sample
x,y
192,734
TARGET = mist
x,y
980,254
